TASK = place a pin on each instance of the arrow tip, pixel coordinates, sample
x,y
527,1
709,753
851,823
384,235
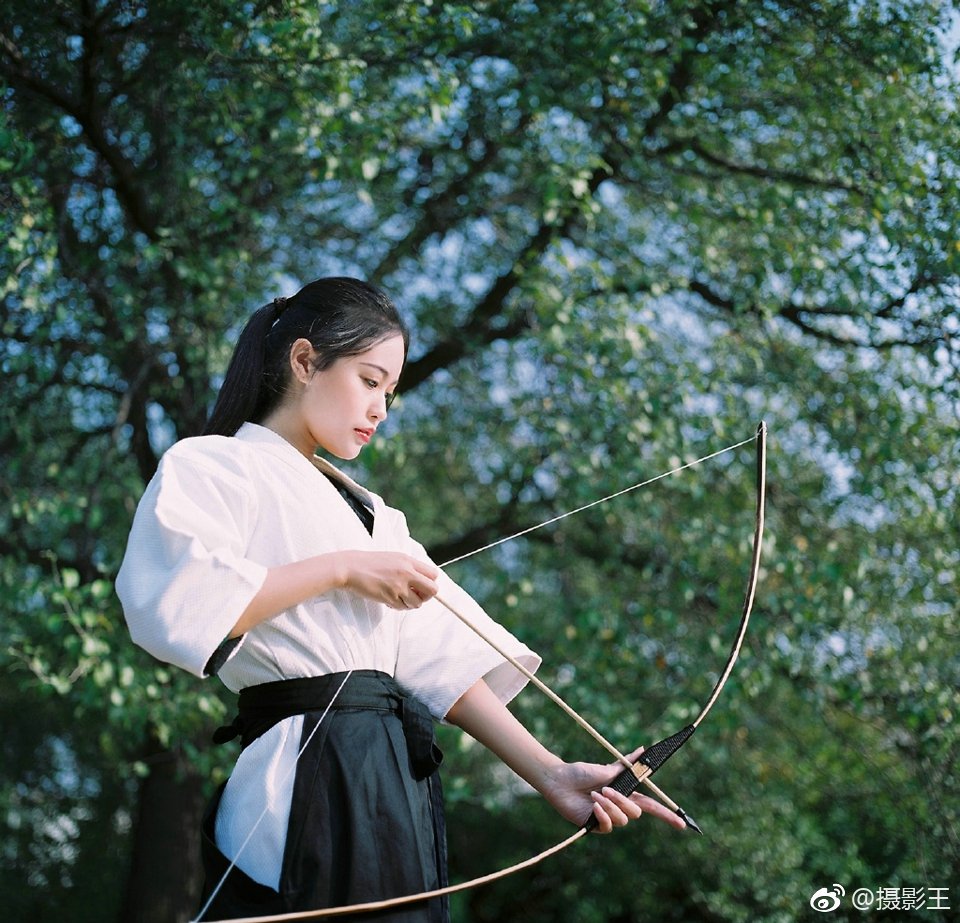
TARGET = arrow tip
x,y
689,821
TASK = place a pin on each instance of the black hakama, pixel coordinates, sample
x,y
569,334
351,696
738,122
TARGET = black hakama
x,y
366,818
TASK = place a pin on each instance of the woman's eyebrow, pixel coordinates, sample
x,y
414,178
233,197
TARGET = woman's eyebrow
x,y
383,372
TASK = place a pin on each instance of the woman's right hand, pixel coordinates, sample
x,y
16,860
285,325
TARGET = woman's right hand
x,y
389,577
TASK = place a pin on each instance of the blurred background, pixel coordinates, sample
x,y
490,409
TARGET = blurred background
x,y
623,233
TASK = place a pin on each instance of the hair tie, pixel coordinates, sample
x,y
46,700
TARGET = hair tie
x,y
279,304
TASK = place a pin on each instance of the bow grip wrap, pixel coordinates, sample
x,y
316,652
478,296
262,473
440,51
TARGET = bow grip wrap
x,y
627,783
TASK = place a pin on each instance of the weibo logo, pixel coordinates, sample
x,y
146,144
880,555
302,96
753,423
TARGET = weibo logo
x,y
827,899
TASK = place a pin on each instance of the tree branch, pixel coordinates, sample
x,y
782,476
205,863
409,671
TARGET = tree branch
x,y
86,112
803,316
757,171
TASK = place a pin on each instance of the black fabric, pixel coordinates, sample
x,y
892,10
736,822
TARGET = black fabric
x,y
220,656
364,513
366,820
261,707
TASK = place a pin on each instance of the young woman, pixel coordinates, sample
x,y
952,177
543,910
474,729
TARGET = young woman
x,y
253,559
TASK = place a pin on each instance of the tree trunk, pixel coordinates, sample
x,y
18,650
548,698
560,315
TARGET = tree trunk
x,y
165,876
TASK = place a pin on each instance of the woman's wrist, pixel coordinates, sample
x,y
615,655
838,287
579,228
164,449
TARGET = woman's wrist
x,y
547,772
340,570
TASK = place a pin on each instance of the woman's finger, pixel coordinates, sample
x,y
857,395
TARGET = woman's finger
x,y
428,570
655,809
617,815
604,824
422,590
630,806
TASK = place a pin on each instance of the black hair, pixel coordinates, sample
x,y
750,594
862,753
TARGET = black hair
x,y
338,315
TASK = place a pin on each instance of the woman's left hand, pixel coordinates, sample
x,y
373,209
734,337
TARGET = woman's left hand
x,y
578,789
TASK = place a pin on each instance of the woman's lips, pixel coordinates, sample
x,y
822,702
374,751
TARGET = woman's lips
x,y
364,434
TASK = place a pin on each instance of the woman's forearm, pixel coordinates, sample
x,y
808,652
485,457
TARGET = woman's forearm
x,y
388,577
485,718
290,584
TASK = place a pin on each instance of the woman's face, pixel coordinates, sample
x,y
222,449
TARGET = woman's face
x,y
340,408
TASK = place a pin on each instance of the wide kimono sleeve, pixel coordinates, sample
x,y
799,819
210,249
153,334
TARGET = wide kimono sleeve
x,y
185,580
440,658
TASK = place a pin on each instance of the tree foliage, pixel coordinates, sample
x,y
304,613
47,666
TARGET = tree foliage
x,y
622,233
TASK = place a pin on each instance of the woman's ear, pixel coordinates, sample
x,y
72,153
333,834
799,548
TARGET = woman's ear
x,y
301,360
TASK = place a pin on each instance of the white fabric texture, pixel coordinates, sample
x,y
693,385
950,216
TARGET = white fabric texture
x,y
219,513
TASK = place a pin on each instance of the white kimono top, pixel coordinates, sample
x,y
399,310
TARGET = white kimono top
x,y
218,513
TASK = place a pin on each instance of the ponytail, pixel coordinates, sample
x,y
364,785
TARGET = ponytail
x,y
240,391
339,316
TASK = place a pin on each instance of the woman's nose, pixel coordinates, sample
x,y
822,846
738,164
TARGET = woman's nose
x,y
378,408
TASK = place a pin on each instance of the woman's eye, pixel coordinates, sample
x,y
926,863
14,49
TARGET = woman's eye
x,y
370,382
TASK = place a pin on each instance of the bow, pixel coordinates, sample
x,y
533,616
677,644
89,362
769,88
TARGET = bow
x,y
633,774
653,758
